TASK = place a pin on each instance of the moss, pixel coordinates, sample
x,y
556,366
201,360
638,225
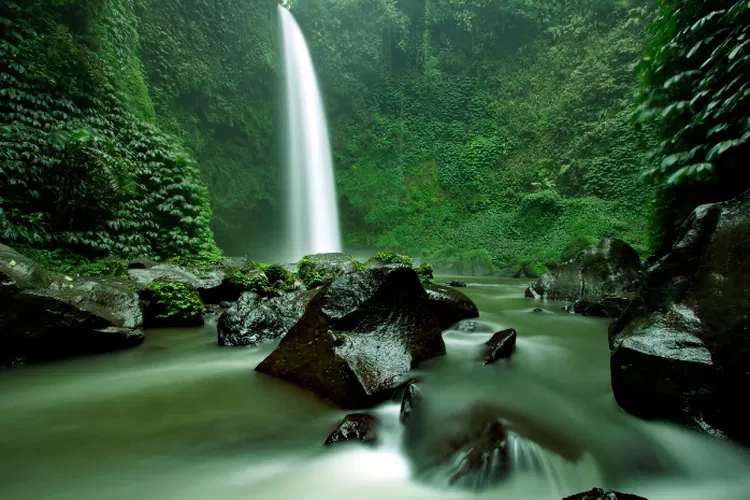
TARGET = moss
x,y
247,282
360,265
177,302
575,247
278,276
425,272
310,275
390,258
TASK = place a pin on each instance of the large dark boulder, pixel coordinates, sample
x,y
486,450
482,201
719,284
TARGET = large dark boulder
x,y
331,264
361,427
254,319
358,338
44,318
611,268
600,494
449,305
681,350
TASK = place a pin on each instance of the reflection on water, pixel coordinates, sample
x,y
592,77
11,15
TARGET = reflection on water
x,y
181,418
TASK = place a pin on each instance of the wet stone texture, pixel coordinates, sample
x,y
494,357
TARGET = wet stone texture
x,y
360,427
600,494
681,351
500,346
449,305
359,337
254,319
44,317
611,269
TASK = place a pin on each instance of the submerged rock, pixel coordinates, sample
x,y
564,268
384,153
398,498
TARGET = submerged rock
x,y
44,318
254,319
360,427
611,268
468,450
359,336
458,284
600,494
681,350
412,398
449,305
141,263
500,346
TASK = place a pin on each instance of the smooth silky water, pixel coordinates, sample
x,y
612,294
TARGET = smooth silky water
x,y
182,418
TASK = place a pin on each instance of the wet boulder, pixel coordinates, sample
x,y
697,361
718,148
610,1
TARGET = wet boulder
x,y
606,307
681,350
500,346
360,427
254,319
358,337
610,268
600,494
458,284
449,305
44,317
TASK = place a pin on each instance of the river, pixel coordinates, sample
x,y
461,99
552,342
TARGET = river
x,y
182,418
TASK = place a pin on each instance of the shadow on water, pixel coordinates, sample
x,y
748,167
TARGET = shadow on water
x,y
182,418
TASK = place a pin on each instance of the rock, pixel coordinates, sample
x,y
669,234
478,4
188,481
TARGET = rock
x,y
500,346
538,310
473,326
611,268
607,307
359,337
333,264
450,305
141,263
213,286
600,494
681,350
42,318
254,319
412,398
530,293
458,284
360,427
18,273
224,304
469,449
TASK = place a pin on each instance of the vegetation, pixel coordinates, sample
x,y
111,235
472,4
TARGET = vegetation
x,y
178,302
697,98
482,136
391,258
489,131
81,167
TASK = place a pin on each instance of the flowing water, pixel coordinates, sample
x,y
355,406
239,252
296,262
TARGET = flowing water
x,y
313,223
182,418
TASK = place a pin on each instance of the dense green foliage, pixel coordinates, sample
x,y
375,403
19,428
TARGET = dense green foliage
x,y
81,166
490,130
697,92
210,72
176,301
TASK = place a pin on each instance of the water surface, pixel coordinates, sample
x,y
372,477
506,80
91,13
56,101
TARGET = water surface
x,y
182,418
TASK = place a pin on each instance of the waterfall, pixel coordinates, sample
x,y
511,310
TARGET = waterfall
x,y
313,224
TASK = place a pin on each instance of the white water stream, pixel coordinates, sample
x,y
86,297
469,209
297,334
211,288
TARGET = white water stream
x,y
312,212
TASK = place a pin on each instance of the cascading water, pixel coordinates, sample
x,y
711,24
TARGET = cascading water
x,y
313,225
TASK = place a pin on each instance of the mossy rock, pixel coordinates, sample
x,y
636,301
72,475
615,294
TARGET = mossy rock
x,y
385,258
172,304
319,269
